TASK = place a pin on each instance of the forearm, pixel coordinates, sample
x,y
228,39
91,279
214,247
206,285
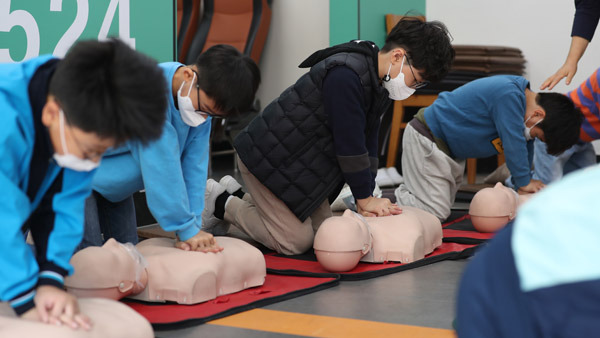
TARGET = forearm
x,y
578,47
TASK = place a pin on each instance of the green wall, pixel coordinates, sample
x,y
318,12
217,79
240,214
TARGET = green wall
x,y
30,28
365,19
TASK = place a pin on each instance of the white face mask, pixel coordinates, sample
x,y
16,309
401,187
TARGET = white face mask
x,y
67,160
527,130
186,107
396,86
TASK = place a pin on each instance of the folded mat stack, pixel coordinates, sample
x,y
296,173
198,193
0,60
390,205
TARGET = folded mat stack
x,y
476,61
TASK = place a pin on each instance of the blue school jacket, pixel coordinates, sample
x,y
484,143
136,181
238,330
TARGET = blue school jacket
x,y
172,170
36,193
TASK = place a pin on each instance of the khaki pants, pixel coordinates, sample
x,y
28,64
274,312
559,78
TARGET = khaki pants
x,y
431,178
267,220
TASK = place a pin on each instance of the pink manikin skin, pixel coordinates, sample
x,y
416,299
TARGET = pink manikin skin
x,y
492,208
342,241
404,238
185,277
189,277
109,319
108,271
522,199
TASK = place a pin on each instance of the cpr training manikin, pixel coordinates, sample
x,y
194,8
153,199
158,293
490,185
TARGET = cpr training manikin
x,y
342,241
492,208
155,271
109,319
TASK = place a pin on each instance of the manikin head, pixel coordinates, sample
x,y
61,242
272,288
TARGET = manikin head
x,y
113,271
492,208
341,241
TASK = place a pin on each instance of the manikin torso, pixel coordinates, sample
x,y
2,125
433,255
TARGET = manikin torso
x,y
168,273
109,319
342,241
193,277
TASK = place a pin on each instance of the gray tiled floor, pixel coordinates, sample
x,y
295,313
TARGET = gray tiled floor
x,y
423,296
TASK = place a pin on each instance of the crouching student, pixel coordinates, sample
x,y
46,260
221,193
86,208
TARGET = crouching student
x,y
322,132
485,117
173,169
549,168
58,117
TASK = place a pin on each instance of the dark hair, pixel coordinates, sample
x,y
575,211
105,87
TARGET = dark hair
x,y
562,123
109,89
427,44
228,77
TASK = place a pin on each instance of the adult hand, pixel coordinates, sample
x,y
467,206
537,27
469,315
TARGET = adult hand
x,y
202,241
56,306
567,70
532,187
374,206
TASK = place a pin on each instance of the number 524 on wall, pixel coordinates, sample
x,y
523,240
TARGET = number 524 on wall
x,y
30,28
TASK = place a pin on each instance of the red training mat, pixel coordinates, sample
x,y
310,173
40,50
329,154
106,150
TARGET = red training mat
x,y
275,289
460,241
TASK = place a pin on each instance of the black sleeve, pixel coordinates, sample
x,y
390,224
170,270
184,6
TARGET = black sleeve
x,y
587,14
343,99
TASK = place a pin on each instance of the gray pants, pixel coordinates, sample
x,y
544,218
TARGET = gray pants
x,y
431,178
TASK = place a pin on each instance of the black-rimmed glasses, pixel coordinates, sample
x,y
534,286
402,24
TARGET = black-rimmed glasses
x,y
418,84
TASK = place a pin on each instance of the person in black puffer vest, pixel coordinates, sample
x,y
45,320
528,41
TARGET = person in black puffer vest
x,y
322,132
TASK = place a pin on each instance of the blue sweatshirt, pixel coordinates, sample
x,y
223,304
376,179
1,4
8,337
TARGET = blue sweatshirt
x,y
485,117
36,193
172,170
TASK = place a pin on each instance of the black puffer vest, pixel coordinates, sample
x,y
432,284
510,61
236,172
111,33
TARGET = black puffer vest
x,y
289,146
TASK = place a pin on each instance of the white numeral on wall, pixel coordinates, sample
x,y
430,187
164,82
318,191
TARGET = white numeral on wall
x,y
76,28
124,21
21,18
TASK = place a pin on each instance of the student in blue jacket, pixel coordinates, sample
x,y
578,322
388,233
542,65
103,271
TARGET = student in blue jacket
x,y
485,117
58,117
173,169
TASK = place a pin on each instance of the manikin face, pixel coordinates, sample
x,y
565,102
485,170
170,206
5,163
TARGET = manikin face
x,y
113,271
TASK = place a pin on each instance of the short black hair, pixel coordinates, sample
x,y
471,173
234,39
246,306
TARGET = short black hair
x,y
228,77
428,45
107,88
562,123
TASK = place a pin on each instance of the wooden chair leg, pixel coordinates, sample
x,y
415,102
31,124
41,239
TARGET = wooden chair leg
x,y
471,170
